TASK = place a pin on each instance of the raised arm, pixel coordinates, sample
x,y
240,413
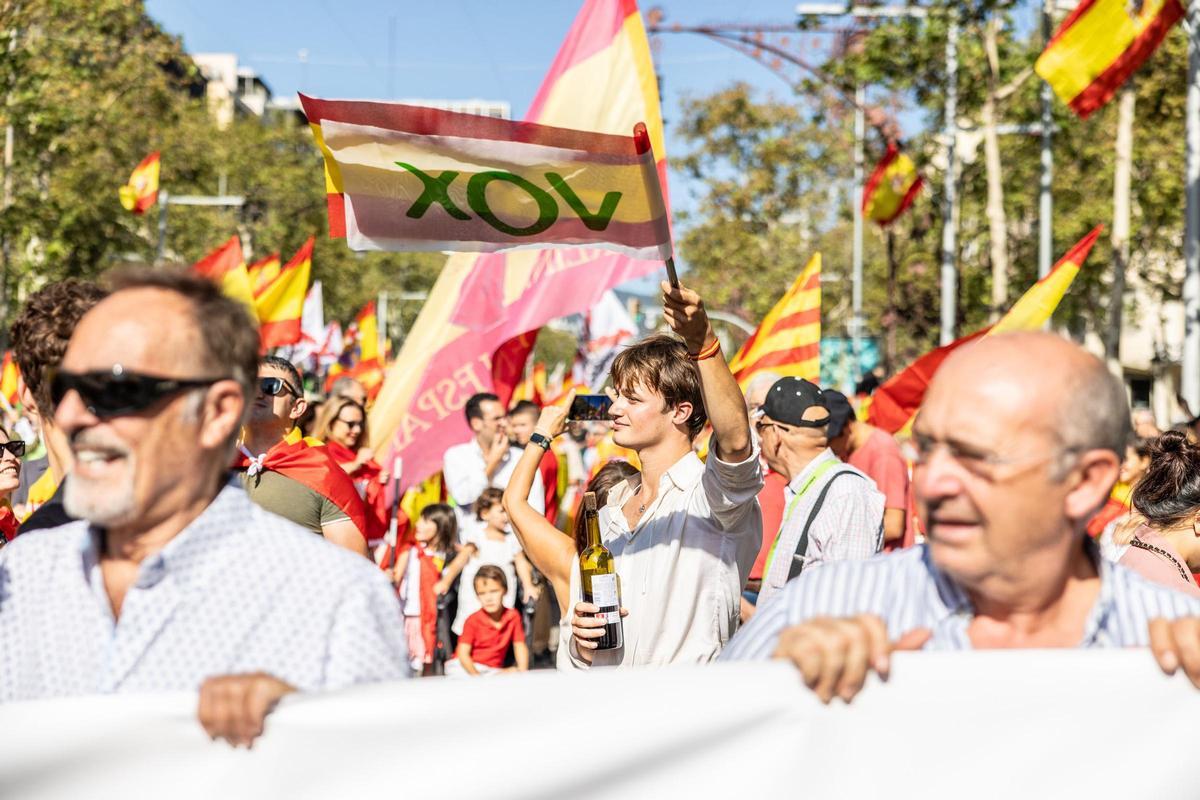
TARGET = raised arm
x,y
550,550
684,312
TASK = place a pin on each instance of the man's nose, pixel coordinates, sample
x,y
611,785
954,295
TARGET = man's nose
x,y
937,476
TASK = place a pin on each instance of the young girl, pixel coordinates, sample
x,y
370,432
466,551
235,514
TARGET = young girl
x,y
419,571
491,631
492,544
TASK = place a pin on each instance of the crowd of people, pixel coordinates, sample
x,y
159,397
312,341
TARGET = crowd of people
x,y
204,521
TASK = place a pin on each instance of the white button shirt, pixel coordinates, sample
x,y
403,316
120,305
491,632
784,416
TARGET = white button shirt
x,y
465,469
238,590
683,566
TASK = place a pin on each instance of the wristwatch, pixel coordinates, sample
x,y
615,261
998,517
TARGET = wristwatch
x,y
540,440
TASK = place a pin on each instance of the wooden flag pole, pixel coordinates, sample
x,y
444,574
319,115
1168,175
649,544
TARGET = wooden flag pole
x,y
641,139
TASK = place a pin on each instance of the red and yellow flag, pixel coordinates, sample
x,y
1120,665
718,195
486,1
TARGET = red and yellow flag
x,y
788,340
896,402
892,187
226,267
1100,45
361,359
142,190
263,272
280,305
10,380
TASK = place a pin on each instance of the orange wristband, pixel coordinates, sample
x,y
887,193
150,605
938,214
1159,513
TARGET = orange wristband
x,y
706,352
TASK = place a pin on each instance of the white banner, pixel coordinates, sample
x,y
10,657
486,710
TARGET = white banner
x,y
1000,724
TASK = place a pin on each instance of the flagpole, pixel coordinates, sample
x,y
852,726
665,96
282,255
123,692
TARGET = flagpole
x,y
641,140
1190,383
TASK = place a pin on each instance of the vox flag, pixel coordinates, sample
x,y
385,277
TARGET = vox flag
x,y
788,340
417,178
142,190
280,306
601,80
892,187
1100,45
894,404
226,267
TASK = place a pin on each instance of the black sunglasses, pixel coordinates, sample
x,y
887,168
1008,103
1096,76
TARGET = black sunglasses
x,y
275,387
16,447
118,391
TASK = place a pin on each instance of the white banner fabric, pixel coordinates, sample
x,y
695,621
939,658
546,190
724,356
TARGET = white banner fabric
x,y
1000,724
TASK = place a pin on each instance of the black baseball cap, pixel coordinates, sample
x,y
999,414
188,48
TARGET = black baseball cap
x,y
789,398
840,412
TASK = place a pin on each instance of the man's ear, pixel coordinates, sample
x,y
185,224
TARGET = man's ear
x,y
681,413
1094,475
221,414
298,409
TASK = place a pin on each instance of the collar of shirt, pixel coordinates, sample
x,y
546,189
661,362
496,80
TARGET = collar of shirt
x,y
797,482
683,475
177,557
954,609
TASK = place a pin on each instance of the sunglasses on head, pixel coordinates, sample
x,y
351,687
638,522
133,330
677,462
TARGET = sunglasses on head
x,y
16,447
111,393
274,387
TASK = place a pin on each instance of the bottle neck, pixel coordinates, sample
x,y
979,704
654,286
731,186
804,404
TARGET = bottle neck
x,y
592,524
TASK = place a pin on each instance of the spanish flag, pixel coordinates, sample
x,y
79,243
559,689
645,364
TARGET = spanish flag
x,y
263,272
361,359
10,380
226,267
788,340
892,187
142,190
280,305
1100,45
896,402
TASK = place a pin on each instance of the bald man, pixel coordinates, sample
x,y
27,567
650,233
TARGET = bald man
x,y
1019,440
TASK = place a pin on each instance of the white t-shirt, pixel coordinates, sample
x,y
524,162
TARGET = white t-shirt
x,y
503,554
410,592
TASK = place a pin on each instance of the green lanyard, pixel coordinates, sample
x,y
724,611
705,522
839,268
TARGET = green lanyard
x,y
817,473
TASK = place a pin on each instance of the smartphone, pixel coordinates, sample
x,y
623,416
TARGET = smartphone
x,y
590,407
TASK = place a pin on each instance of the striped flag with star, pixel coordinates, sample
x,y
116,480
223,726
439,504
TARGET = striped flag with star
x,y
788,340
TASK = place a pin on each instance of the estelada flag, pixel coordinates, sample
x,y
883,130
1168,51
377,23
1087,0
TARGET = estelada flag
x,y
262,273
280,305
1100,45
306,460
10,380
788,340
894,404
142,190
226,267
512,185
892,187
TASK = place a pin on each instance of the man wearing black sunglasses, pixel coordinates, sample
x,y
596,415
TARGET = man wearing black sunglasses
x,y
307,487
173,580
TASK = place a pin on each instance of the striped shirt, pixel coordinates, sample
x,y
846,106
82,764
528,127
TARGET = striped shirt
x,y
906,590
849,524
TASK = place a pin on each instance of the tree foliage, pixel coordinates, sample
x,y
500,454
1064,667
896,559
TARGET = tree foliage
x,y
89,89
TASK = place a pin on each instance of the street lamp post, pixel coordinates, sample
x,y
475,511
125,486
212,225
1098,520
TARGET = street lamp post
x,y
949,235
165,199
1190,383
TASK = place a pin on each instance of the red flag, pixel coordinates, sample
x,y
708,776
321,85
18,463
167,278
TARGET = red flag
x,y
508,365
892,187
307,461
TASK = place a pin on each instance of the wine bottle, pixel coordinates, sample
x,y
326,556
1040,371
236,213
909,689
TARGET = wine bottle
x,y
598,578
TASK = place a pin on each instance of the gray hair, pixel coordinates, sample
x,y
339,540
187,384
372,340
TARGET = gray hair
x,y
1094,412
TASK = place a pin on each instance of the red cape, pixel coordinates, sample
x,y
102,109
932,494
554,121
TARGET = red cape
x,y
369,487
309,462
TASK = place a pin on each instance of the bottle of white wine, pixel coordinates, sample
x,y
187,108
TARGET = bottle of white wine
x,y
598,578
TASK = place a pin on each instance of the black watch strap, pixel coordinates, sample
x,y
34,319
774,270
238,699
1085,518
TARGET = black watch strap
x,y
540,441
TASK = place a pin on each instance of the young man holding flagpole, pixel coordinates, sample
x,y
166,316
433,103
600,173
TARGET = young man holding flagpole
x,y
684,532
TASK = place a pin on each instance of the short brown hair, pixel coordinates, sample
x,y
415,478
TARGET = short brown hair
x,y
228,335
489,497
41,331
660,362
490,572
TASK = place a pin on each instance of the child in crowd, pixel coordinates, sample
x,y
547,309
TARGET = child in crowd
x,y
492,543
420,571
490,632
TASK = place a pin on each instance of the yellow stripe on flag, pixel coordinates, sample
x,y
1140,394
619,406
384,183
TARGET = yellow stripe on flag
x,y
786,341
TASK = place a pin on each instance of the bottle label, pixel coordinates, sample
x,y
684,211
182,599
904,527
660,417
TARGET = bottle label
x,y
604,594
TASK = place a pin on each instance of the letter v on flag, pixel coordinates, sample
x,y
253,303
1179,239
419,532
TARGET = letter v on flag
x,y
415,178
894,404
